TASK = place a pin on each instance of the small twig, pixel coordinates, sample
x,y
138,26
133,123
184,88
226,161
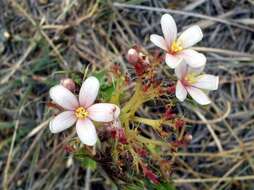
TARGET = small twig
x,y
197,15
225,52
214,179
28,152
212,121
215,137
10,155
88,176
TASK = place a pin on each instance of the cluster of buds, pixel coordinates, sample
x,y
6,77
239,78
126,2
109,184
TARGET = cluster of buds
x,y
144,68
139,60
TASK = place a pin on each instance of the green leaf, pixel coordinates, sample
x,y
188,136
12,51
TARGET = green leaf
x,y
5,125
165,186
107,92
100,76
76,78
88,163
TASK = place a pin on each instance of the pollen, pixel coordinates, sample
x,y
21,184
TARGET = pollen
x,y
176,47
190,79
81,113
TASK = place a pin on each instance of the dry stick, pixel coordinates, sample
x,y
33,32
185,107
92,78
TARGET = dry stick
x,y
191,171
241,144
208,23
5,178
55,49
11,178
37,129
223,51
140,7
227,174
216,139
214,179
212,121
21,60
91,12
88,179
127,26
227,153
88,174
236,80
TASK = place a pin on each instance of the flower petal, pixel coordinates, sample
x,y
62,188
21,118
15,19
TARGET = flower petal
x,y
181,92
62,121
86,131
63,97
181,70
159,41
89,91
103,112
198,95
191,36
193,58
169,28
173,61
197,70
208,82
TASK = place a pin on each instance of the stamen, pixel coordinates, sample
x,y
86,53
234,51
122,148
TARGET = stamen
x,y
81,113
176,47
190,79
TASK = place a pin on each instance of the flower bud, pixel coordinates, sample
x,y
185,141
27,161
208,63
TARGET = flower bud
x,y
68,83
188,137
7,35
132,56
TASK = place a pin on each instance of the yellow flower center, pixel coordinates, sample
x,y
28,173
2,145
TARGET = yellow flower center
x,y
81,113
176,47
190,79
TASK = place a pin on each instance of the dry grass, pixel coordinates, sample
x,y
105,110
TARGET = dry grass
x,y
47,37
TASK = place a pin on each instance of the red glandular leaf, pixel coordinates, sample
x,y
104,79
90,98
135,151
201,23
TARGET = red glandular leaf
x,y
168,115
179,123
119,134
150,174
171,89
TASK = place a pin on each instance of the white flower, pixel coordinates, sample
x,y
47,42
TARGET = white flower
x,y
81,111
192,81
177,48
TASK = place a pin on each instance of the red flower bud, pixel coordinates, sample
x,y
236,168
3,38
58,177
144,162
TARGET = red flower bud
x,y
68,83
188,138
132,56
